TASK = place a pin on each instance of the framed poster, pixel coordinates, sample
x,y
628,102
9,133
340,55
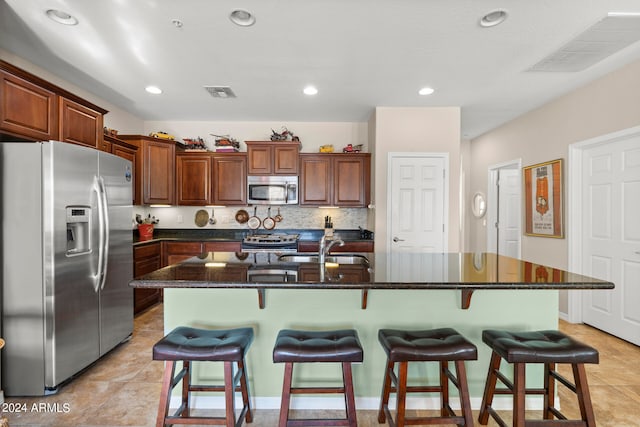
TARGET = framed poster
x,y
543,199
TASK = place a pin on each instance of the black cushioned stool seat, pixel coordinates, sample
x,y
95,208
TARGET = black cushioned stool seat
x,y
190,344
437,345
340,346
546,347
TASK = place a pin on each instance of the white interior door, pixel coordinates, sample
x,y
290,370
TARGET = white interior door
x,y
417,203
611,235
505,218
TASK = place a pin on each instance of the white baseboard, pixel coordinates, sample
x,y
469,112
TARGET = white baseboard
x,y
362,403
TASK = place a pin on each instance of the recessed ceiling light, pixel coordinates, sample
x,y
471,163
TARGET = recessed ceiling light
x,y
493,18
153,89
426,91
242,18
61,17
310,90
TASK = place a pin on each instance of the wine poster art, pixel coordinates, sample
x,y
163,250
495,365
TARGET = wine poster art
x,y
543,199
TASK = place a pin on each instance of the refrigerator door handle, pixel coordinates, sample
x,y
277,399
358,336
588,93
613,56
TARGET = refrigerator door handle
x,y
104,224
98,187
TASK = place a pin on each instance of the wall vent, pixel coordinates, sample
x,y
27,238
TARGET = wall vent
x,y
606,37
220,91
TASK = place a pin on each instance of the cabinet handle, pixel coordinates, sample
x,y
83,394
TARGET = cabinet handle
x,y
395,239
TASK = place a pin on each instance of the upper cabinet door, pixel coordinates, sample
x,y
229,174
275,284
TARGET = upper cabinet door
x,y
315,180
193,179
351,180
260,159
27,110
79,124
158,172
230,179
285,159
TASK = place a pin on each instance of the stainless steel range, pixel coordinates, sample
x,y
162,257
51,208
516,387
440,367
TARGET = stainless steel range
x,y
270,243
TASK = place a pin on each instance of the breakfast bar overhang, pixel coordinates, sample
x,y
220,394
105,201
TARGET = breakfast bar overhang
x,y
365,292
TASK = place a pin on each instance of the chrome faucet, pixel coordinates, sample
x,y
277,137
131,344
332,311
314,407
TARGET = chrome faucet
x,y
326,243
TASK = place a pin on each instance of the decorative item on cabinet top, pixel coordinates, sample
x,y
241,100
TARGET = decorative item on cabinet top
x,y
226,144
162,135
285,135
194,144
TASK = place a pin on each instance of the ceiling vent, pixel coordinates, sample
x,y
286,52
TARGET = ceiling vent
x,y
604,38
220,91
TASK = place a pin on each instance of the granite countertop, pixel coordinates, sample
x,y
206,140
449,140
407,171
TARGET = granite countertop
x,y
236,235
419,271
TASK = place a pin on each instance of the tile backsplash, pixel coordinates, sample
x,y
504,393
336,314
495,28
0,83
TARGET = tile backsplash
x,y
293,216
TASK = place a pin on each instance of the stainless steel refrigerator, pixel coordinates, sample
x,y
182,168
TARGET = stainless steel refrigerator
x,y
66,261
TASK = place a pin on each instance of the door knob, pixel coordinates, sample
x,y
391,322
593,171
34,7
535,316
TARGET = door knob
x,y
395,239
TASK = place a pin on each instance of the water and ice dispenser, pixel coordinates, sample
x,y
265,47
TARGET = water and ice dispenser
x,y
78,230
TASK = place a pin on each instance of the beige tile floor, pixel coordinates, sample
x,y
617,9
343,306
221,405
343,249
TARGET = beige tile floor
x,y
123,388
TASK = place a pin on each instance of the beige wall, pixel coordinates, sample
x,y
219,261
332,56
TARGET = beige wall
x,y
608,104
312,134
427,130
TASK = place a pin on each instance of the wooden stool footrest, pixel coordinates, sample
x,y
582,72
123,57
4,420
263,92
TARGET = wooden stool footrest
x,y
303,422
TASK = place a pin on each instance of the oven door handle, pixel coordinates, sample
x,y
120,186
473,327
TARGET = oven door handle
x,y
286,193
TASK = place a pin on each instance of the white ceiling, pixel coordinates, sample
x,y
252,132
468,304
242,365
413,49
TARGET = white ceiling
x,y
358,53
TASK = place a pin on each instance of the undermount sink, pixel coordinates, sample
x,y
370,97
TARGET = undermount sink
x,y
333,258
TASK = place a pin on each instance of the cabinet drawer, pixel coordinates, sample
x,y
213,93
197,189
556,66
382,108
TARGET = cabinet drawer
x,y
174,248
222,247
146,251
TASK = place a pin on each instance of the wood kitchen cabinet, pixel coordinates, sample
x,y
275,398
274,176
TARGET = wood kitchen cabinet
x,y
79,124
194,173
273,158
27,110
128,152
146,258
230,179
174,252
155,168
335,179
33,109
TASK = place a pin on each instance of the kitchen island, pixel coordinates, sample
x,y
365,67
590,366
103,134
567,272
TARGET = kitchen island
x,y
366,293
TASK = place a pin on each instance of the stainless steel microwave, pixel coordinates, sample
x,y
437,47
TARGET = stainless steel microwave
x,y
272,190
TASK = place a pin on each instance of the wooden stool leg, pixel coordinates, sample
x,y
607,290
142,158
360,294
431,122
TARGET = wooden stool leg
x,y
518,394
286,394
584,398
186,385
229,395
489,388
463,390
244,387
444,389
386,389
165,393
549,391
349,398
401,393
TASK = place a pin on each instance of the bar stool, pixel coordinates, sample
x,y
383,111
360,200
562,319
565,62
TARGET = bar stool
x,y
341,346
549,348
190,344
437,345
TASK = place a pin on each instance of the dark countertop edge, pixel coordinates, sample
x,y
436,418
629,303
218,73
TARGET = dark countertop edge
x,y
366,286
236,235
